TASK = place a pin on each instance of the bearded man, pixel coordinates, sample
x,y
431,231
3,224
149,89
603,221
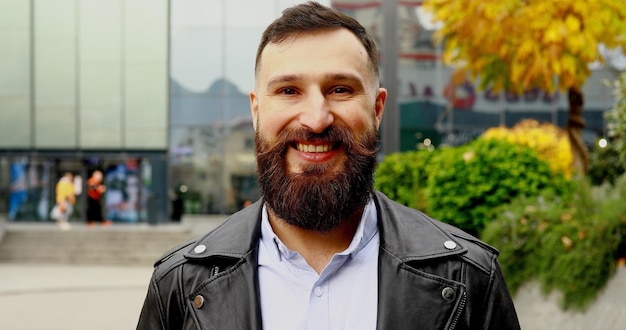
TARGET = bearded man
x,y
322,249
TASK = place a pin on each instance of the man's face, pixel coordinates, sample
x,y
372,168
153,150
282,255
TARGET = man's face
x,y
316,110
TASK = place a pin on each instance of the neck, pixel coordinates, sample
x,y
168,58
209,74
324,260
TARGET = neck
x,y
317,248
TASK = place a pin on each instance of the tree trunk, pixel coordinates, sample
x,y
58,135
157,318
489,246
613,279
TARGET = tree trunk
x,y
575,126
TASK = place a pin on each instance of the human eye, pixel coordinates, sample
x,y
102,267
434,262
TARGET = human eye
x,y
287,91
340,90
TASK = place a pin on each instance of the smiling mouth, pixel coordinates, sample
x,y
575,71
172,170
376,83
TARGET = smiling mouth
x,y
314,148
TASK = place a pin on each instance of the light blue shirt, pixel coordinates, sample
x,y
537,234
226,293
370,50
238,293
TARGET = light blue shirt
x,y
343,296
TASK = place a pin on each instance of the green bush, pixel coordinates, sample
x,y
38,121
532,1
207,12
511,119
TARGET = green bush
x,y
465,183
565,234
402,177
568,245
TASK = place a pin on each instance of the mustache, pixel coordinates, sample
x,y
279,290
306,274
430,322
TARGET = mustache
x,y
336,134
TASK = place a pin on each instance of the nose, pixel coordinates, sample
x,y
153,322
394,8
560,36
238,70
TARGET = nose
x,y
316,115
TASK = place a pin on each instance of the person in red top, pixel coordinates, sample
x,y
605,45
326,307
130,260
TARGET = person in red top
x,y
95,189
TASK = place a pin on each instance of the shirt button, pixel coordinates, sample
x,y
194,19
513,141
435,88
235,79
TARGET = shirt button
x,y
318,291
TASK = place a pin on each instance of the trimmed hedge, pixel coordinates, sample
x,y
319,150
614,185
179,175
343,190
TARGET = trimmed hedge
x,y
466,183
402,177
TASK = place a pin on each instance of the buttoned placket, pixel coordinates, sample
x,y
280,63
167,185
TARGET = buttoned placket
x,y
319,288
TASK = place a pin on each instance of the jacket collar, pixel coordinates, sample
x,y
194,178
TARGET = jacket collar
x,y
403,235
411,235
234,238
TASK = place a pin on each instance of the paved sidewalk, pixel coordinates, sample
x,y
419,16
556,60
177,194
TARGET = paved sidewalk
x,y
71,297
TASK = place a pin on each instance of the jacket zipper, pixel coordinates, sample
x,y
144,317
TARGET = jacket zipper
x,y
459,311
214,271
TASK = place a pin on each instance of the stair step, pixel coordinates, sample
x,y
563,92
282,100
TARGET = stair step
x,y
82,245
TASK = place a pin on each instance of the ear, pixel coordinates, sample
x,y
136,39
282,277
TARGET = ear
x,y
379,106
254,108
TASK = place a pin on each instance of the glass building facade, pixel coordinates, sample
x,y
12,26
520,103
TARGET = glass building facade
x,y
155,94
84,86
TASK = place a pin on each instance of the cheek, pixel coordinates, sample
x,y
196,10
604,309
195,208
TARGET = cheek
x,y
269,126
273,120
360,120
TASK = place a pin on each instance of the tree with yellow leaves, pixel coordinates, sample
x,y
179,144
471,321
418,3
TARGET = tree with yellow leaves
x,y
516,45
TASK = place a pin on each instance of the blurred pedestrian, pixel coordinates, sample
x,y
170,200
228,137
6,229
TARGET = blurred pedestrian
x,y
178,205
95,190
65,200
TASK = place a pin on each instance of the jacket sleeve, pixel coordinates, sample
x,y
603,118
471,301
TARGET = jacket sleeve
x,y
152,316
163,307
499,311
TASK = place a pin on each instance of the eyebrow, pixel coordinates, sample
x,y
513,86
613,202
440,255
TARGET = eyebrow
x,y
282,79
330,76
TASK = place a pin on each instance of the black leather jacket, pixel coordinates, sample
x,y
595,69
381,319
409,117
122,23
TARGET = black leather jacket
x,y
431,276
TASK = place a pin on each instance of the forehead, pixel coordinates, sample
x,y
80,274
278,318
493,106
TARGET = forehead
x,y
327,50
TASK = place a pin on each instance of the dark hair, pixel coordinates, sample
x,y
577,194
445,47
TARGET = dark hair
x,y
312,16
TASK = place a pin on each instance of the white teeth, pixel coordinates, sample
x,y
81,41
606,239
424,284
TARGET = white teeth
x,y
313,148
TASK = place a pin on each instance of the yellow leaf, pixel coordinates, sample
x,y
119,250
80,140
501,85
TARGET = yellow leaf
x,y
556,66
569,64
516,71
504,51
526,48
554,52
572,23
574,43
448,56
552,34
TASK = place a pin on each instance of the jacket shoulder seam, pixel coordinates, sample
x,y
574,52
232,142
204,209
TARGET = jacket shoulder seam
x,y
170,260
160,307
492,276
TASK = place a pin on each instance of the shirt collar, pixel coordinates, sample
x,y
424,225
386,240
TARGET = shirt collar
x,y
366,230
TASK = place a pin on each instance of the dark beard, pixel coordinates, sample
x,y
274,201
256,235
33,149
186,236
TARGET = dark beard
x,y
317,199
